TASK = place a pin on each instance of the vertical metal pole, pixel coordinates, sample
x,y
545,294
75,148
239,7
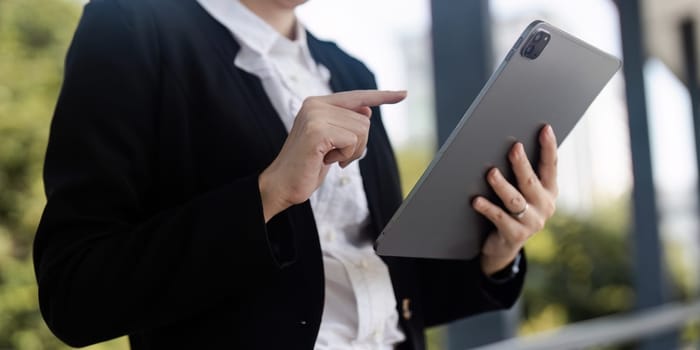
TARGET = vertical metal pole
x,y
688,40
650,280
462,57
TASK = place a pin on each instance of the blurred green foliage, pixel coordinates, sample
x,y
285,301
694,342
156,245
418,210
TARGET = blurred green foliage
x,y
34,37
577,270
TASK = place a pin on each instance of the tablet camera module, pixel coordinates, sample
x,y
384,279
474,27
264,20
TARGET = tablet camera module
x,y
535,44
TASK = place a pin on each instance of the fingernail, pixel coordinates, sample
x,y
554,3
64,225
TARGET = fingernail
x,y
495,174
550,131
477,202
521,149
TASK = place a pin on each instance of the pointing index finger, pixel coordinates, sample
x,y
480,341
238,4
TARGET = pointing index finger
x,y
364,98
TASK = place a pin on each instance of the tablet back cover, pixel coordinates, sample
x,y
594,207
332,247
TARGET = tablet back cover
x,y
436,220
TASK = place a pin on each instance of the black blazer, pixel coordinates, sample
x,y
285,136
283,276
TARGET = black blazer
x,y
153,226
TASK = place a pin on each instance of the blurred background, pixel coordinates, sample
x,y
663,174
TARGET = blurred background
x,y
587,263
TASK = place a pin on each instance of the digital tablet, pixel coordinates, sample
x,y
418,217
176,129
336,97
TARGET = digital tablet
x,y
548,77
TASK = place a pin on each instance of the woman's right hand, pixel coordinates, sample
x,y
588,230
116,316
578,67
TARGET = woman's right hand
x,y
327,129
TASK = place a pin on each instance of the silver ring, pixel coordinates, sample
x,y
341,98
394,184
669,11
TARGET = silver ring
x,y
519,215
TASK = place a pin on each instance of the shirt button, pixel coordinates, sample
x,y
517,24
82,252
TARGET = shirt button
x,y
344,180
364,263
406,308
378,334
330,236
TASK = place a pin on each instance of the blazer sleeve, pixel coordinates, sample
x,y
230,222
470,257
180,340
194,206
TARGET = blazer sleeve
x,y
453,289
105,263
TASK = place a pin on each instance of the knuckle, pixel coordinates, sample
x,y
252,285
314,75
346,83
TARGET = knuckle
x,y
498,215
366,123
326,142
551,208
313,123
517,202
532,180
348,153
311,101
330,142
539,224
521,235
315,128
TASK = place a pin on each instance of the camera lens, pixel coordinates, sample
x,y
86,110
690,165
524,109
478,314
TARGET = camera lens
x,y
536,43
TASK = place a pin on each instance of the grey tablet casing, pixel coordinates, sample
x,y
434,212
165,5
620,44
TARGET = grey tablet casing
x,y
436,220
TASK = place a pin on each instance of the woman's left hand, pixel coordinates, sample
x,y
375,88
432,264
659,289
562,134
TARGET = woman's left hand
x,y
528,205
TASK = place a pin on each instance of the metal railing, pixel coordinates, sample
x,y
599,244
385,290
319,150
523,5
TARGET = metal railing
x,y
609,330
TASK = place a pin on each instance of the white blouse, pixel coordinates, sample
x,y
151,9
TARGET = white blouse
x,y
360,306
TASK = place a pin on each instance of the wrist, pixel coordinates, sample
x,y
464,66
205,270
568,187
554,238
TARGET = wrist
x,y
507,273
491,266
271,198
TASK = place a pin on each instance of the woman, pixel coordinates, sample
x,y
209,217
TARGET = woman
x,y
199,197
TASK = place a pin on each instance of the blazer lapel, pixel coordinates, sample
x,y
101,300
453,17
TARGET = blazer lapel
x,y
246,84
